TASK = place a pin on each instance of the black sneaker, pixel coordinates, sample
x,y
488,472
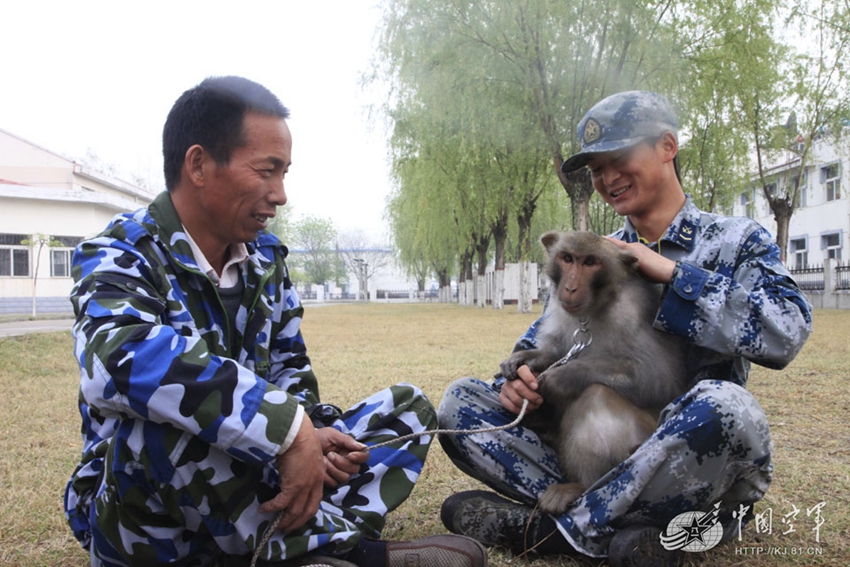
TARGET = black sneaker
x,y
640,546
491,519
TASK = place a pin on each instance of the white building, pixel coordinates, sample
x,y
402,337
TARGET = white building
x,y
821,222
48,204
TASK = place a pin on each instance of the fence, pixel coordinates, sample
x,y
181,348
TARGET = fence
x,y
321,295
428,295
826,286
842,277
809,278
43,305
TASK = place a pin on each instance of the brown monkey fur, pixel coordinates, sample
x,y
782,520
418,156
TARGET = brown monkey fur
x,y
604,403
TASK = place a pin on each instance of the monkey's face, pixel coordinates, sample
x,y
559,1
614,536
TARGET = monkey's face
x,y
584,267
580,275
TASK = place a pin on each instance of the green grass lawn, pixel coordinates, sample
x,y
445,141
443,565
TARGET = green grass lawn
x,y
358,349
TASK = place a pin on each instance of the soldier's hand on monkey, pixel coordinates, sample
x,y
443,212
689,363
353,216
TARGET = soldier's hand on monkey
x,y
650,264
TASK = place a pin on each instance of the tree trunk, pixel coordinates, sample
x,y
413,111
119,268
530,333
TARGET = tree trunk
x,y
524,225
783,221
525,299
481,290
579,189
445,295
782,208
481,248
500,236
470,282
35,275
499,288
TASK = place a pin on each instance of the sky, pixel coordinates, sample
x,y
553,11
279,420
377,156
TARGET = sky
x,y
101,76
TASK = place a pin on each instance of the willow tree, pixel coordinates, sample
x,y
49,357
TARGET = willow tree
x,y
756,100
447,121
751,54
564,57
714,158
542,60
492,92
420,222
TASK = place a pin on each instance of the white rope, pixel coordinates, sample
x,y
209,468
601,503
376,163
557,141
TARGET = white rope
x,y
514,423
271,529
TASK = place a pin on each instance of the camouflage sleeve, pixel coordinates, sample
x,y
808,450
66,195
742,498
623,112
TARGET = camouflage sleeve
x,y
528,340
135,366
752,309
291,369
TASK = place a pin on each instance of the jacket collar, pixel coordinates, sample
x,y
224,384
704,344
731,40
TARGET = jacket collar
x,y
681,232
171,232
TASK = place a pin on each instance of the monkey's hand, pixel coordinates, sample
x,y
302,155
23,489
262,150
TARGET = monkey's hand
x,y
510,366
559,383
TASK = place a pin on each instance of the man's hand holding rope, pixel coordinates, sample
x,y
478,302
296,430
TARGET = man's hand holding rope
x,y
343,455
524,387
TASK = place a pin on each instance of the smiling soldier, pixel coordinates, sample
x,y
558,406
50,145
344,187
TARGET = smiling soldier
x,y
725,291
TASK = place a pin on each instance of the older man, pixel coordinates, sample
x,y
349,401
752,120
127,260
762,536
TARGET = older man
x,y
201,414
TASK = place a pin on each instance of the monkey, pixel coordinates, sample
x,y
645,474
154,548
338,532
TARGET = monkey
x,y
604,402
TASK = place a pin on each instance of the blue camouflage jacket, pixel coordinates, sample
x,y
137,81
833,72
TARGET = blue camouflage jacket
x,y
730,296
152,341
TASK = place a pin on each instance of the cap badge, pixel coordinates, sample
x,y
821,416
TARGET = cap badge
x,y
592,131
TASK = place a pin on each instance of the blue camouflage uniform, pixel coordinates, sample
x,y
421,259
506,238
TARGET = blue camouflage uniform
x,y
184,410
733,299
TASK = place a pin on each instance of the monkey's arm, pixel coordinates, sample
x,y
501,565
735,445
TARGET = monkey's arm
x,y
537,359
562,384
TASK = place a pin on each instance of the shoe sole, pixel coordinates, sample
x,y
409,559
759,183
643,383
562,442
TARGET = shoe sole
x,y
437,551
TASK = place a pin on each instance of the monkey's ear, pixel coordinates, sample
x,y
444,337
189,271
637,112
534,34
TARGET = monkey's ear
x,y
629,260
550,239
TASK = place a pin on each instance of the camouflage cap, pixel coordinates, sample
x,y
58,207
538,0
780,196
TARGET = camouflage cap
x,y
621,121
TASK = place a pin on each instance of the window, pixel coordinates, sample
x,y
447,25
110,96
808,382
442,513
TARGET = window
x,y
14,256
747,203
60,263
831,176
800,250
831,245
61,254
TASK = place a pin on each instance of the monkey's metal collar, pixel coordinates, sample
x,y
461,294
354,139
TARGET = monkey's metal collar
x,y
578,344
